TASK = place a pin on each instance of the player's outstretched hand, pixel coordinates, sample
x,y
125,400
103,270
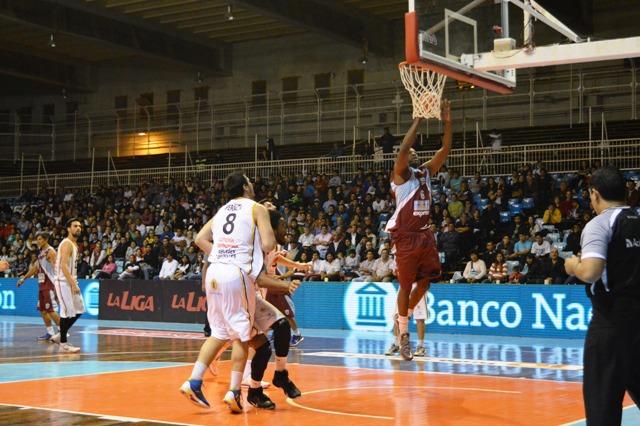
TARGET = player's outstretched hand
x,y
293,286
4,265
445,111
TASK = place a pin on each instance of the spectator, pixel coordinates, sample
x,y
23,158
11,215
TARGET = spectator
x,y
332,268
498,270
535,270
476,269
131,250
522,247
552,215
383,268
387,141
351,265
98,255
516,276
183,269
108,268
337,244
169,267
455,207
557,273
131,269
540,247
455,181
449,243
366,268
506,247
489,254
322,240
318,267
573,240
84,270
120,250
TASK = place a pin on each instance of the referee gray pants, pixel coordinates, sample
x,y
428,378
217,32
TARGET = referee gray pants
x,y
611,363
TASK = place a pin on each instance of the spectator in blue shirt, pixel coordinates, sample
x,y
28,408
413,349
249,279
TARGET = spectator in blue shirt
x,y
522,247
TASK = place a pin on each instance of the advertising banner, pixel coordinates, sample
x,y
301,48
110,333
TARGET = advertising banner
x,y
22,301
131,300
183,301
485,309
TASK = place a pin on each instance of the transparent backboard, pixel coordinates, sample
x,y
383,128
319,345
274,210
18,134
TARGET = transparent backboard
x,y
443,35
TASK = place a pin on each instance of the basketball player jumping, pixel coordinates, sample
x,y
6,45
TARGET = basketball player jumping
x,y
44,269
231,241
66,284
416,252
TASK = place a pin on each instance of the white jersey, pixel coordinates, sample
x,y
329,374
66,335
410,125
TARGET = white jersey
x,y
71,262
236,240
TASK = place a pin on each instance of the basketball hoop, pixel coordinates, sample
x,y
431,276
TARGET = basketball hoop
x,y
425,87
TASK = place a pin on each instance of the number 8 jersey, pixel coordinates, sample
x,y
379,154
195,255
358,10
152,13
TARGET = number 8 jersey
x,y
235,236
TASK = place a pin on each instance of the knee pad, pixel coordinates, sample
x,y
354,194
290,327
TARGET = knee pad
x,y
281,337
260,361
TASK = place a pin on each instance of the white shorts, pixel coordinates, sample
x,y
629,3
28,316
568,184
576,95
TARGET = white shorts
x,y
266,314
420,311
231,299
70,304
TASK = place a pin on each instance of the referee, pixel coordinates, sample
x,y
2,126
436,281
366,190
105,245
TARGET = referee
x,y
610,261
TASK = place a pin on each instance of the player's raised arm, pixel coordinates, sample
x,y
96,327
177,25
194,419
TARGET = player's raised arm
x,y
204,239
401,171
441,155
263,221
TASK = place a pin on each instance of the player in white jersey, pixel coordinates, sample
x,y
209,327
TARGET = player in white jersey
x,y
66,283
232,245
44,269
419,314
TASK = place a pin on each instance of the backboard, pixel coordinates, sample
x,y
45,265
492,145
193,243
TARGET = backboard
x,y
437,38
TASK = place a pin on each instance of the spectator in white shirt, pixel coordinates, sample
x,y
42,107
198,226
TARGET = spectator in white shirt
x,y
332,268
366,268
476,269
540,247
169,267
350,265
383,268
379,204
322,240
335,180
306,239
317,268
178,237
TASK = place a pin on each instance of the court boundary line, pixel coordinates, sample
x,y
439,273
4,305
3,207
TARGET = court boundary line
x,y
98,415
371,416
95,374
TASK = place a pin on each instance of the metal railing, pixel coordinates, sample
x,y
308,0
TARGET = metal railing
x,y
325,115
557,157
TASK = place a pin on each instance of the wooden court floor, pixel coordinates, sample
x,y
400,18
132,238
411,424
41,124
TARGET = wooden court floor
x,y
132,376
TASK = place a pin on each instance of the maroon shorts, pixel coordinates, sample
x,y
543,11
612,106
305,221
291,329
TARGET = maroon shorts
x,y
47,300
417,258
283,303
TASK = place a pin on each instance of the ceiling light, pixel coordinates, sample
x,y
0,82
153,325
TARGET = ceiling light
x,y
52,41
365,52
199,77
229,14
142,134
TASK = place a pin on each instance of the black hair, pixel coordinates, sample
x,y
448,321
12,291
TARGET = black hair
x,y
44,235
609,182
73,219
234,184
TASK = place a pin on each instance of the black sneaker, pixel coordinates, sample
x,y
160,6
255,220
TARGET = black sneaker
x,y
257,398
281,380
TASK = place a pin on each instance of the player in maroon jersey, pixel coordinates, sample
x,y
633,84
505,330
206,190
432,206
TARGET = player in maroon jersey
x,y
416,252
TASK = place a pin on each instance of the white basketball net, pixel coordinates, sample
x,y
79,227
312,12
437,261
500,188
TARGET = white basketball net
x,y
425,87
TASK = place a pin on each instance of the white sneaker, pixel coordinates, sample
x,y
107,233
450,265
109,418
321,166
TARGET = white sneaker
x,y
55,338
246,382
65,347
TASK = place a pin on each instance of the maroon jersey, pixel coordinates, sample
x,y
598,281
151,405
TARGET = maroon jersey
x,y
413,204
46,270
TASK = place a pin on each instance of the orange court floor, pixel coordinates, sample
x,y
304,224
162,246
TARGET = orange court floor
x,y
129,375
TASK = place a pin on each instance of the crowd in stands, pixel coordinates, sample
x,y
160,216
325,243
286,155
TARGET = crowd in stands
x,y
514,229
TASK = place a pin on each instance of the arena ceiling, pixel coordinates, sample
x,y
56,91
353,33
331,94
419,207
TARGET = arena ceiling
x,y
187,34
